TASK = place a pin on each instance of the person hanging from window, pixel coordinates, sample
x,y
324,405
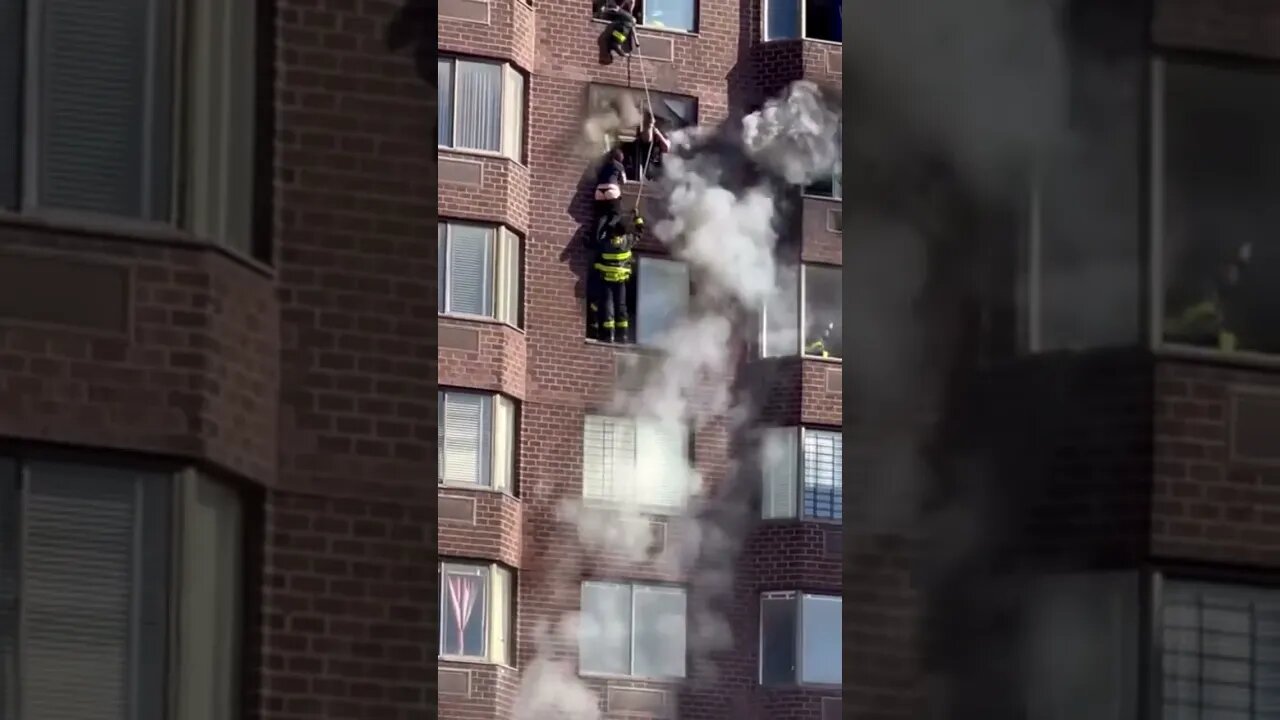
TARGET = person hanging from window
x,y
652,144
621,36
610,320
608,194
1207,322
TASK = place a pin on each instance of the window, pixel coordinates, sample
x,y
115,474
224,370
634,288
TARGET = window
x,y
822,312
662,289
670,112
481,106
88,579
665,14
1219,162
809,19
636,462
1221,646
827,188
475,620
800,639
633,630
819,314
106,128
479,268
820,492
476,439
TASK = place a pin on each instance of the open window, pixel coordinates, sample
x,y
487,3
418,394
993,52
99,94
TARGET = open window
x,y
828,187
808,19
681,15
670,112
1217,175
657,297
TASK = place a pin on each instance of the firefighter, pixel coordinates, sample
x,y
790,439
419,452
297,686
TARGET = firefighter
x,y
1207,322
610,272
608,194
823,346
621,36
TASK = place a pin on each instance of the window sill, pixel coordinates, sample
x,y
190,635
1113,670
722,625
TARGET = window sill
x,y
461,660
1238,358
828,198
483,154
825,522
801,686
100,227
651,28
830,43
821,359
631,678
636,348
479,320
650,511
473,488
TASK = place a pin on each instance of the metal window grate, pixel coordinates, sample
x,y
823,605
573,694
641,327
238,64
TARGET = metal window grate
x,y
1221,655
823,490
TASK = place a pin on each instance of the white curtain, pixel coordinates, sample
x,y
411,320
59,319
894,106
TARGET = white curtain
x,y
470,260
479,111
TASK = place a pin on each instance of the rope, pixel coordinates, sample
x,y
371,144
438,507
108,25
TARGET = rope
x,y
644,78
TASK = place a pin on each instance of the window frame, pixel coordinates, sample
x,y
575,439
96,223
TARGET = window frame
x,y
636,294
168,497
802,317
505,274
1158,63
173,29
796,597
1228,584
506,429
797,477
632,586
837,189
498,650
513,118
803,23
693,31
599,93
633,425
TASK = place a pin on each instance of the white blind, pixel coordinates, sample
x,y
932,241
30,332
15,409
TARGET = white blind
x,y
662,464
470,267
662,298
478,118
444,113
78,574
823,474
608,458
464,437
779,463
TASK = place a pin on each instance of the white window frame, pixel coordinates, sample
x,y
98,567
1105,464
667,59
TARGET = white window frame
x,y
202,131
633,426
498,597
202,580
511,135
798,598
499,418
503,273
631,650
796,479
804,23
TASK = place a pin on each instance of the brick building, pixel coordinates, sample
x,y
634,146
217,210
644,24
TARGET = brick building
x,y
524,393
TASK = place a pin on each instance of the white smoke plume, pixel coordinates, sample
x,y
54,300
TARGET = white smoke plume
x,y
721,191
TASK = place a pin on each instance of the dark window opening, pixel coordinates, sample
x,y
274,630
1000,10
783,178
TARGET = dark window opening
x,y
811,19
619,112
656,296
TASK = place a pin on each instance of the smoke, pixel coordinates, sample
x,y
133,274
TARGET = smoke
x,y
721,190
619,112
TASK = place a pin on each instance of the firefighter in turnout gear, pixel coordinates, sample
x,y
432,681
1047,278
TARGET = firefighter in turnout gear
x,y
620,38
1207,322
823,345
610,272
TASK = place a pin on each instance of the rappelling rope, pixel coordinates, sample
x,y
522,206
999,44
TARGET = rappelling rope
x,y
644,79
